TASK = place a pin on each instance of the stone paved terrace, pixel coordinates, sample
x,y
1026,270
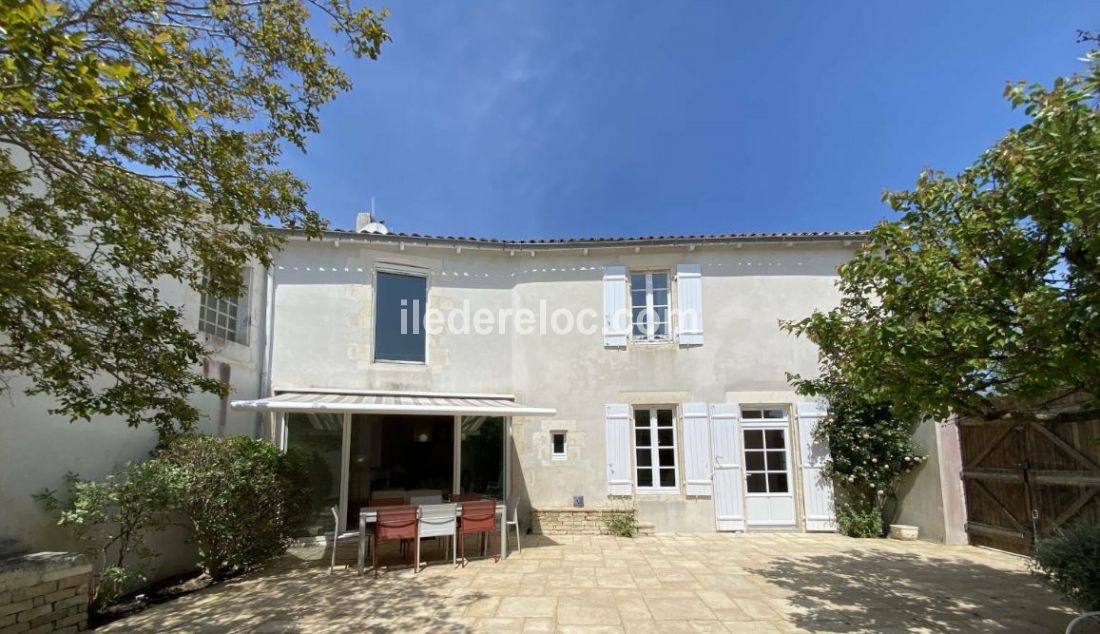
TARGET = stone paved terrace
x,y
667,583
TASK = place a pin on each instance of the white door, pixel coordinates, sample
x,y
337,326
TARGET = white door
x,y
727,480
769,490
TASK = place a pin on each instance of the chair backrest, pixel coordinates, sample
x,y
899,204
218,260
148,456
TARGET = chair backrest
x,y
395,522
437,520
422,500
391,493
479,516
419,493
380,502
465,497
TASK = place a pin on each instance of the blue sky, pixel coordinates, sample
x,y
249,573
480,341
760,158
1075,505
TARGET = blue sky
x,y
601,118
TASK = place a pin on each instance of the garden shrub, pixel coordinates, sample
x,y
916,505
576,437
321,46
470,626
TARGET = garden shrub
x,y
1070,562
243,499
112,519
871,451
622,523
239,499
855,522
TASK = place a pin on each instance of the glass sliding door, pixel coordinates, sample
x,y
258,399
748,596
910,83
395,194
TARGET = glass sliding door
x,y
482,456
399,456
318,439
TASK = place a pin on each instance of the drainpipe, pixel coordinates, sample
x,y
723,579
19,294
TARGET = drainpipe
x,y
264,387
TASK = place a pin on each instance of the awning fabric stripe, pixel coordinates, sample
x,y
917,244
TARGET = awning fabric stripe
x,y
390,404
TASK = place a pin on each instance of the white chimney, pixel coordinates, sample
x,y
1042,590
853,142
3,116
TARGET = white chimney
x,y
365,223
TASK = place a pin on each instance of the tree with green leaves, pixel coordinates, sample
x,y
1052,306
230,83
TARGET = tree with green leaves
x,y
983,299
140,142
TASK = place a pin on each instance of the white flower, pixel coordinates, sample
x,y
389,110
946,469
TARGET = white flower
x,y
851,478
874,460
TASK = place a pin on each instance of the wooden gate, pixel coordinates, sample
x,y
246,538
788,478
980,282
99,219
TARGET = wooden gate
x,y
1025,479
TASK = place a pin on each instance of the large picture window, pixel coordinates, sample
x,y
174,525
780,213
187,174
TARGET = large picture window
x,y
649,302
401,300
655,449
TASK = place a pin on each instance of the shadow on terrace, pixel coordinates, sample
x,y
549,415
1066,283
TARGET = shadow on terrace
x,y
875,590
291,595
296,593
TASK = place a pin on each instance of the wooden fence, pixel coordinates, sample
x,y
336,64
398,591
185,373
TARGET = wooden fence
x,y
1026,479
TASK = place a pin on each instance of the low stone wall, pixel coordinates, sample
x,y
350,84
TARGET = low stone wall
x,y
44,592
578,521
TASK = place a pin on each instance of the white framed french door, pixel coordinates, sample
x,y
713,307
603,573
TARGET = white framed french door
x,y
766,463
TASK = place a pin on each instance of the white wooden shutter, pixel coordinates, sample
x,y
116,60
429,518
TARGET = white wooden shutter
x,y
689,304
616,315
697,456
617,420
817,491
725,445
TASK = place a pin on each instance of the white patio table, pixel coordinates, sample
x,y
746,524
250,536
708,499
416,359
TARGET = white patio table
x,y
369,515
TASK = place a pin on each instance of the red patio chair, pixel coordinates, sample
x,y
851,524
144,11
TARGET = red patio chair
x,y
394,522
466,497
478,517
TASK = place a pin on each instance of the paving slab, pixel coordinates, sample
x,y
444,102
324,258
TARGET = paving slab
x,y
678,582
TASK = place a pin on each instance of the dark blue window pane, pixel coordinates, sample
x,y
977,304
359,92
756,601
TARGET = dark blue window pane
x,y
400,304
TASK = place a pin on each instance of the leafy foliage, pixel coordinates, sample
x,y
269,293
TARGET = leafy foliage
x,y
988,284
238,498
112,519
139,142
1070,562
622,523
242,498
855,522
871,451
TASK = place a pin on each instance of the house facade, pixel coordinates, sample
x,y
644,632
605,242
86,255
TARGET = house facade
x,y
648,373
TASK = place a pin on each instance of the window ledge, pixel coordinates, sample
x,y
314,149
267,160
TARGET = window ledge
x,y
396,362
657,491
660,343
215,339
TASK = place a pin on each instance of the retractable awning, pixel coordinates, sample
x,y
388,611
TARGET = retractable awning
x,y
393,403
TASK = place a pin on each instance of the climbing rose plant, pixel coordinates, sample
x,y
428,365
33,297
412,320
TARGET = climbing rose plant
x,y
871,453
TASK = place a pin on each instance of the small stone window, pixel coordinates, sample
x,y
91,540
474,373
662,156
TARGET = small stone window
x,y
557,445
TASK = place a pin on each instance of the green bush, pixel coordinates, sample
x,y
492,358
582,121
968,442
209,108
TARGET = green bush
x,y
112,519
871,452
1070,562
855,522
240,500
622,524
243,499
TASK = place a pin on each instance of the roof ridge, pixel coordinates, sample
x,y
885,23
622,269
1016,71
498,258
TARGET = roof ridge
x,y
851,234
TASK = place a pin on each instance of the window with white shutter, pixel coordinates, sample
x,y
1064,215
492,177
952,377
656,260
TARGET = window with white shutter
x,y
655,450
615,313
689,304
649,304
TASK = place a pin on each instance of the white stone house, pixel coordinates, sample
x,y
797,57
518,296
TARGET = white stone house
x,y
647,373
652,376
